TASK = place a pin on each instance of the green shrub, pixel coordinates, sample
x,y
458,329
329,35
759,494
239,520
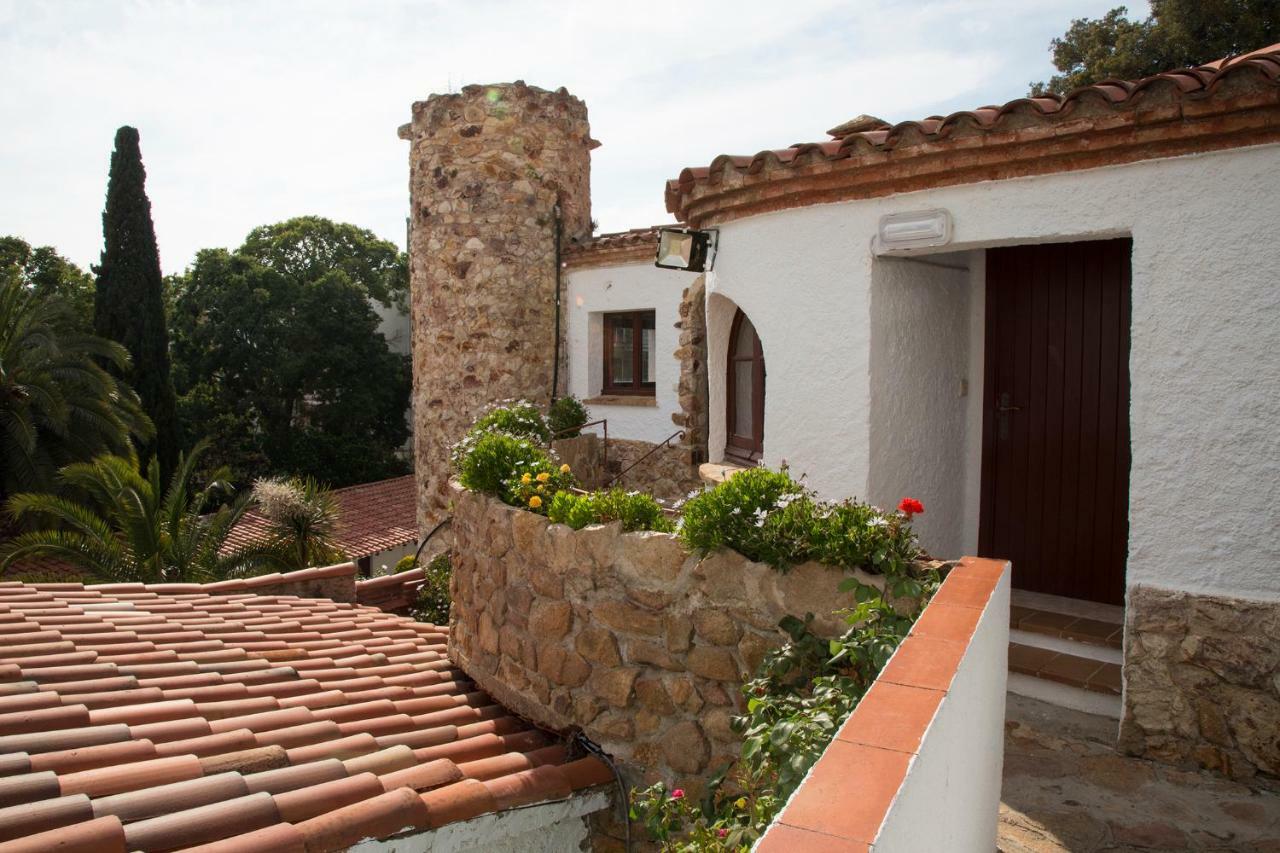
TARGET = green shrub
x,y
485,461
770,518
518,418
566,417
433,601
636,511
405,563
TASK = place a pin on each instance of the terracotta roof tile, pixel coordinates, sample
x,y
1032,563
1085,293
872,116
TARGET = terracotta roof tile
x,y
1113,121
373,517
178,716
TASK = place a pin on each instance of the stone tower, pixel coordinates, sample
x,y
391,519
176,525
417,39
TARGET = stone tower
x,y
488,168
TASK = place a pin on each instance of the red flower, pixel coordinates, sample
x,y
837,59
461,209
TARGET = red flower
x,y
910,506
677,794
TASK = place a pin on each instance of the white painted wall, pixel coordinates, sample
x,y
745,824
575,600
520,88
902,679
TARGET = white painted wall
x,y
544,828
950,799
919,391
641,286
396,326
1204,366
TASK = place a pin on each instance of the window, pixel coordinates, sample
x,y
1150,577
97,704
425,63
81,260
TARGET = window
x,y
630,360
745,392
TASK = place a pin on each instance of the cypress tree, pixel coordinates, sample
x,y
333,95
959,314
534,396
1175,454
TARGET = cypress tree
x,y
129,301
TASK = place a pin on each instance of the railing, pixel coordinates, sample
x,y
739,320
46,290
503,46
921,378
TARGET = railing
x,y
603,423
666,442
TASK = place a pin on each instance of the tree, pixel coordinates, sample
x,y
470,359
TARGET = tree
x,y
1177,34
303,519
131,529
281,351
129,303
58,405
47,274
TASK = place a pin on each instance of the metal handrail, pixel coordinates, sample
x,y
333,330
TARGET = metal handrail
x,y
666,442
604,424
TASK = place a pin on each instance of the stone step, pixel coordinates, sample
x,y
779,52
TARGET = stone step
x,y
1085,673
1066,626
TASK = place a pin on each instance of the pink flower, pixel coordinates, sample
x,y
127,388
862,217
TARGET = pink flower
x,y
722,832
677,794
910,507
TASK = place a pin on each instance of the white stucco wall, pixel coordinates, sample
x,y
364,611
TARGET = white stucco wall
x,y
1204,365
919,391
950,799
593,292
396,326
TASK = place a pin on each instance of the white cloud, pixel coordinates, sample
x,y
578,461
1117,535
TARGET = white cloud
x,y
251,112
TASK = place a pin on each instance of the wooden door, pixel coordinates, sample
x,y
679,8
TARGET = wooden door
x,y
1055,467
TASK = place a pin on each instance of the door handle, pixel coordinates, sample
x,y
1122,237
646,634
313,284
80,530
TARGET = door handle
x,y
1003,405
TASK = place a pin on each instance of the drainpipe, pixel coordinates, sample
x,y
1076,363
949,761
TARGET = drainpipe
x,y
555,364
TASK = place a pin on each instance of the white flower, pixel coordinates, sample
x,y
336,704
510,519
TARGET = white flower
x,y
877,521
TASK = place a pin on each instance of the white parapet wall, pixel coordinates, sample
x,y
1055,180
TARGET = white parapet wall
x,y
950,798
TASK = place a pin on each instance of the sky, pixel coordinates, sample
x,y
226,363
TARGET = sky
x,y
253,112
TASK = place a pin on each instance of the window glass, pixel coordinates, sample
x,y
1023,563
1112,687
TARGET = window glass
x,y
742,398
746,340
622,353
648,356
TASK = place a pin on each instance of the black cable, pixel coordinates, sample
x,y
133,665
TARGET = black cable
x,y
583,741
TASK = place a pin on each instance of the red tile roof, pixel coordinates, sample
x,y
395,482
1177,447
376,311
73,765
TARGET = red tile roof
x,y
373,517
1227,103
621,247
171,716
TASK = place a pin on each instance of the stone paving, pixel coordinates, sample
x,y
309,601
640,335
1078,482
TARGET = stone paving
x,y
1066,788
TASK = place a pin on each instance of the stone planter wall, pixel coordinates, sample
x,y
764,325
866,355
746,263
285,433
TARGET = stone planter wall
x,y
624,636
1202,681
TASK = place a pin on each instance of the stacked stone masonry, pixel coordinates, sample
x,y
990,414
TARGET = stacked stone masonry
x,y
692,390
1202,681
488,167
622,635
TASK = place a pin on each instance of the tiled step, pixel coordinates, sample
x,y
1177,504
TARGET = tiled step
x,y
1080,629
1064,668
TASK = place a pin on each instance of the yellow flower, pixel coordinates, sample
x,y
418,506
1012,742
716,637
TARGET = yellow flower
x,y
543,477
526,479
741,802
541,488
535,501
564,469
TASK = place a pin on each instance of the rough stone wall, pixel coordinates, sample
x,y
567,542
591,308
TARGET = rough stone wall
x,y
487,168
1202,681
668,474
692,355
624,636
585,455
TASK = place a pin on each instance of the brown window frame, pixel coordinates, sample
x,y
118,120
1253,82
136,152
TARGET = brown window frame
x,y
748,448
638,321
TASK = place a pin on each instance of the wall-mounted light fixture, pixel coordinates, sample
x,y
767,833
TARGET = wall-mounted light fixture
x,y
686,249
900,233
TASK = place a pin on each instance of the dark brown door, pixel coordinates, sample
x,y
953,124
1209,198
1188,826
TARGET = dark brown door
x,y
1055,466
745,397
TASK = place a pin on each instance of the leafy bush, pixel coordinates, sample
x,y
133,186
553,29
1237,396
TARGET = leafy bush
x,y
433,601
485,461
405,563
566,417
770,518
516,417
636,511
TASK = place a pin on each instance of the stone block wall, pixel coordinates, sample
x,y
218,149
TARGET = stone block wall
x,y
624,636
668,473
1202,681
692,355
487,168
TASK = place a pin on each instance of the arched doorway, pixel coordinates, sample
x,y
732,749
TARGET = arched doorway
x,y
744,418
